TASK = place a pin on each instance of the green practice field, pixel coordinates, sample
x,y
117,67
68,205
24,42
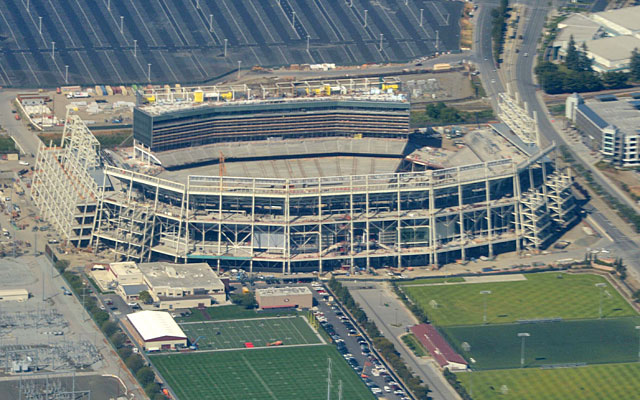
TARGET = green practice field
x,y
273,373
231,312
566,342
596,382
234,333
542,295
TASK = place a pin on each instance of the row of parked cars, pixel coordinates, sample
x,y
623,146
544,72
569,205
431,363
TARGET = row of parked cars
x,y
377,368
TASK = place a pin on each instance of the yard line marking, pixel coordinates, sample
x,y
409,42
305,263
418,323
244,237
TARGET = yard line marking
x,y
235,22
90,24
391,21
255,373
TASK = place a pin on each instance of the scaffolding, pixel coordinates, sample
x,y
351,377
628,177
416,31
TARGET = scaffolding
x,y
351,222
63,187
517,119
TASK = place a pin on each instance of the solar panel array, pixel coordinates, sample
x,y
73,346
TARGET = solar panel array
x,y
46,43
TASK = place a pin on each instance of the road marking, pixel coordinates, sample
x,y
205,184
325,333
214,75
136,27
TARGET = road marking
x,y
64,26
143,24
30,69
90,24
17,43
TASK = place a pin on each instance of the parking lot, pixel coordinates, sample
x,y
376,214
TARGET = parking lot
x,y
70,41
354,347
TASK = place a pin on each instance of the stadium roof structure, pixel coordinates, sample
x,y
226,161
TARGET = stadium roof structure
x,y
155,326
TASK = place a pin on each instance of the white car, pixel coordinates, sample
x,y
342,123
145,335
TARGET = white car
x,y
387,389
376,390
399,392
23,163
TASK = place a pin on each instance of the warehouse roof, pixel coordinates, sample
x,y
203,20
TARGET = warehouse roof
x,y
613,48
155,325
165,274
578,26
134,290
284,291
628,17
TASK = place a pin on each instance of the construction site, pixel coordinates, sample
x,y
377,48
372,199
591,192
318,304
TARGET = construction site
x,y
340,198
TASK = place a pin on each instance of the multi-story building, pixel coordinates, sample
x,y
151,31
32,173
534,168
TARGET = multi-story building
x,y
612,126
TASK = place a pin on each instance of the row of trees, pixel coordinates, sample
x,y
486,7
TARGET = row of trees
x,y
576,73
499,17
382,344
135,362
440,113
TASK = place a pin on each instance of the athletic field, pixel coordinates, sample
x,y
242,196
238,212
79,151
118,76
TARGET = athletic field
x,y
233,334
550,343
597,382
271,373
542,295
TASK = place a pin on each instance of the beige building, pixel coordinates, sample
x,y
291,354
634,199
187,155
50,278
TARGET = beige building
x,y
182,285
14,295
286,297
128,279
155,330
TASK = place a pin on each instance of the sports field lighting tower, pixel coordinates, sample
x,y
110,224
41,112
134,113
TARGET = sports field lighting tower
x,y
66,74
381,37
40,25
239,64
601,285
225,47
522,335
53,50
638,329
485,293
135,48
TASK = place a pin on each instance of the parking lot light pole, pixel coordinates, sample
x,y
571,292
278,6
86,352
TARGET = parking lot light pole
x,y
66,74
225,47
210,22
601,285
485,293
149,72
40,25
239,63
121,24
421,15
308,37
135,48
53,49
365,18
522,335
381,37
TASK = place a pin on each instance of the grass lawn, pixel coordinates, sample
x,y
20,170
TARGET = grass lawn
x,y
575,341
231,312
273,373
234,334
542,295
595,382
412,342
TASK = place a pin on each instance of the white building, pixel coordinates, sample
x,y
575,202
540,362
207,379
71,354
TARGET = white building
x,y
612,53
612,125
623,21
156,330
578,26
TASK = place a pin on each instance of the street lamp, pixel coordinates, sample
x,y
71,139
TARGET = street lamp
x,y
638,329
601,285
522,335
485,293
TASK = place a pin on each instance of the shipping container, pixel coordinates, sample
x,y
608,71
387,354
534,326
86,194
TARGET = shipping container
x,y
109,90
103,90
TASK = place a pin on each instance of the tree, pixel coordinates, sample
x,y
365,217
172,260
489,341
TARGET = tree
x,y
572,59
246,300
134,362
109,327
101,317
615,80
584,62
635,65
118,339
151,389
145,297
145,376
125,353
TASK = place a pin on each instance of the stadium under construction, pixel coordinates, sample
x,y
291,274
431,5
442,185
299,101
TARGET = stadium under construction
x,y
342,198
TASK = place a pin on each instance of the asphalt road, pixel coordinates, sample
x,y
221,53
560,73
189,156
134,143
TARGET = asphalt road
x,y
26,139
537,13
392,318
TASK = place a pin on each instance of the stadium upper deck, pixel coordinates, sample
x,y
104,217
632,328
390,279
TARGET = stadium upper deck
x,y
175,126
